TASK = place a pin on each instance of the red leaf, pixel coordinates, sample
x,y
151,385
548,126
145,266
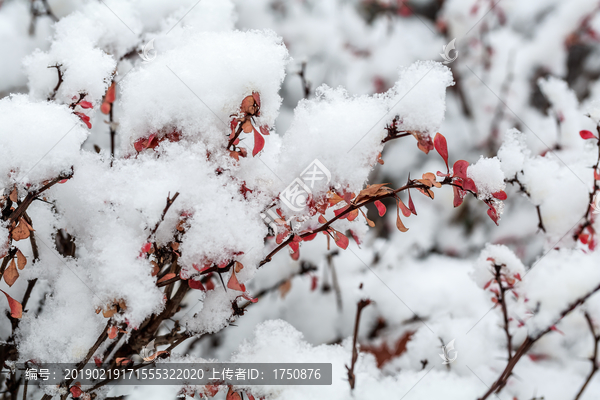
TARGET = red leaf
x,y
294,245
97,361
322,219
459,195
440,145
264,130
256,98
16,309
493,214
110,94
146,248
584,237
340,239
231,395
193,284
166,277
210,285
587,135
411,204
460,168
259,143
405,211
313,282
309,237
139,145
86,104
249,298
468,184
501,195
596,175
112,332
105,108
380,208
75,391
356,239
295,255
84,118
234,284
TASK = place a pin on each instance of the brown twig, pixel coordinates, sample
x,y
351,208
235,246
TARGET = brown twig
x,y
103,336
351,377
352,207
305,82
502,300
20,210
60,81
522,189
526,345
593,358
170,201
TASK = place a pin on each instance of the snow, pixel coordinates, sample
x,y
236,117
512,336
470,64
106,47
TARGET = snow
x,y
512,104
57,132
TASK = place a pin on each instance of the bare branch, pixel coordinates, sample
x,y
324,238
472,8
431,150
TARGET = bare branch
x,y
351,377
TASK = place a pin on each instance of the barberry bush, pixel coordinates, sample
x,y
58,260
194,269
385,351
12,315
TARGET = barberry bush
x,y
259,181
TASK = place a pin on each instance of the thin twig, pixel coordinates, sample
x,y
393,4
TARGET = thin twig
x,y
351,377
593,358
170,201
528,342
502,300
305,82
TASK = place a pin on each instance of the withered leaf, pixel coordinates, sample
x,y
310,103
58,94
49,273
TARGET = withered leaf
x,y
16,309
11,274
238,266
110,311
21,231
166,277
14,195
175,246
21,259
399,223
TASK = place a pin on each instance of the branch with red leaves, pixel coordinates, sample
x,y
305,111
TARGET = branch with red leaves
x,y
499,384
589,238
250,108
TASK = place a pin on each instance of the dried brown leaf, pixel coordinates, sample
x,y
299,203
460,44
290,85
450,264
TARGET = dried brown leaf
x,y
21,259
14,195
20,231
11,274
110,311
